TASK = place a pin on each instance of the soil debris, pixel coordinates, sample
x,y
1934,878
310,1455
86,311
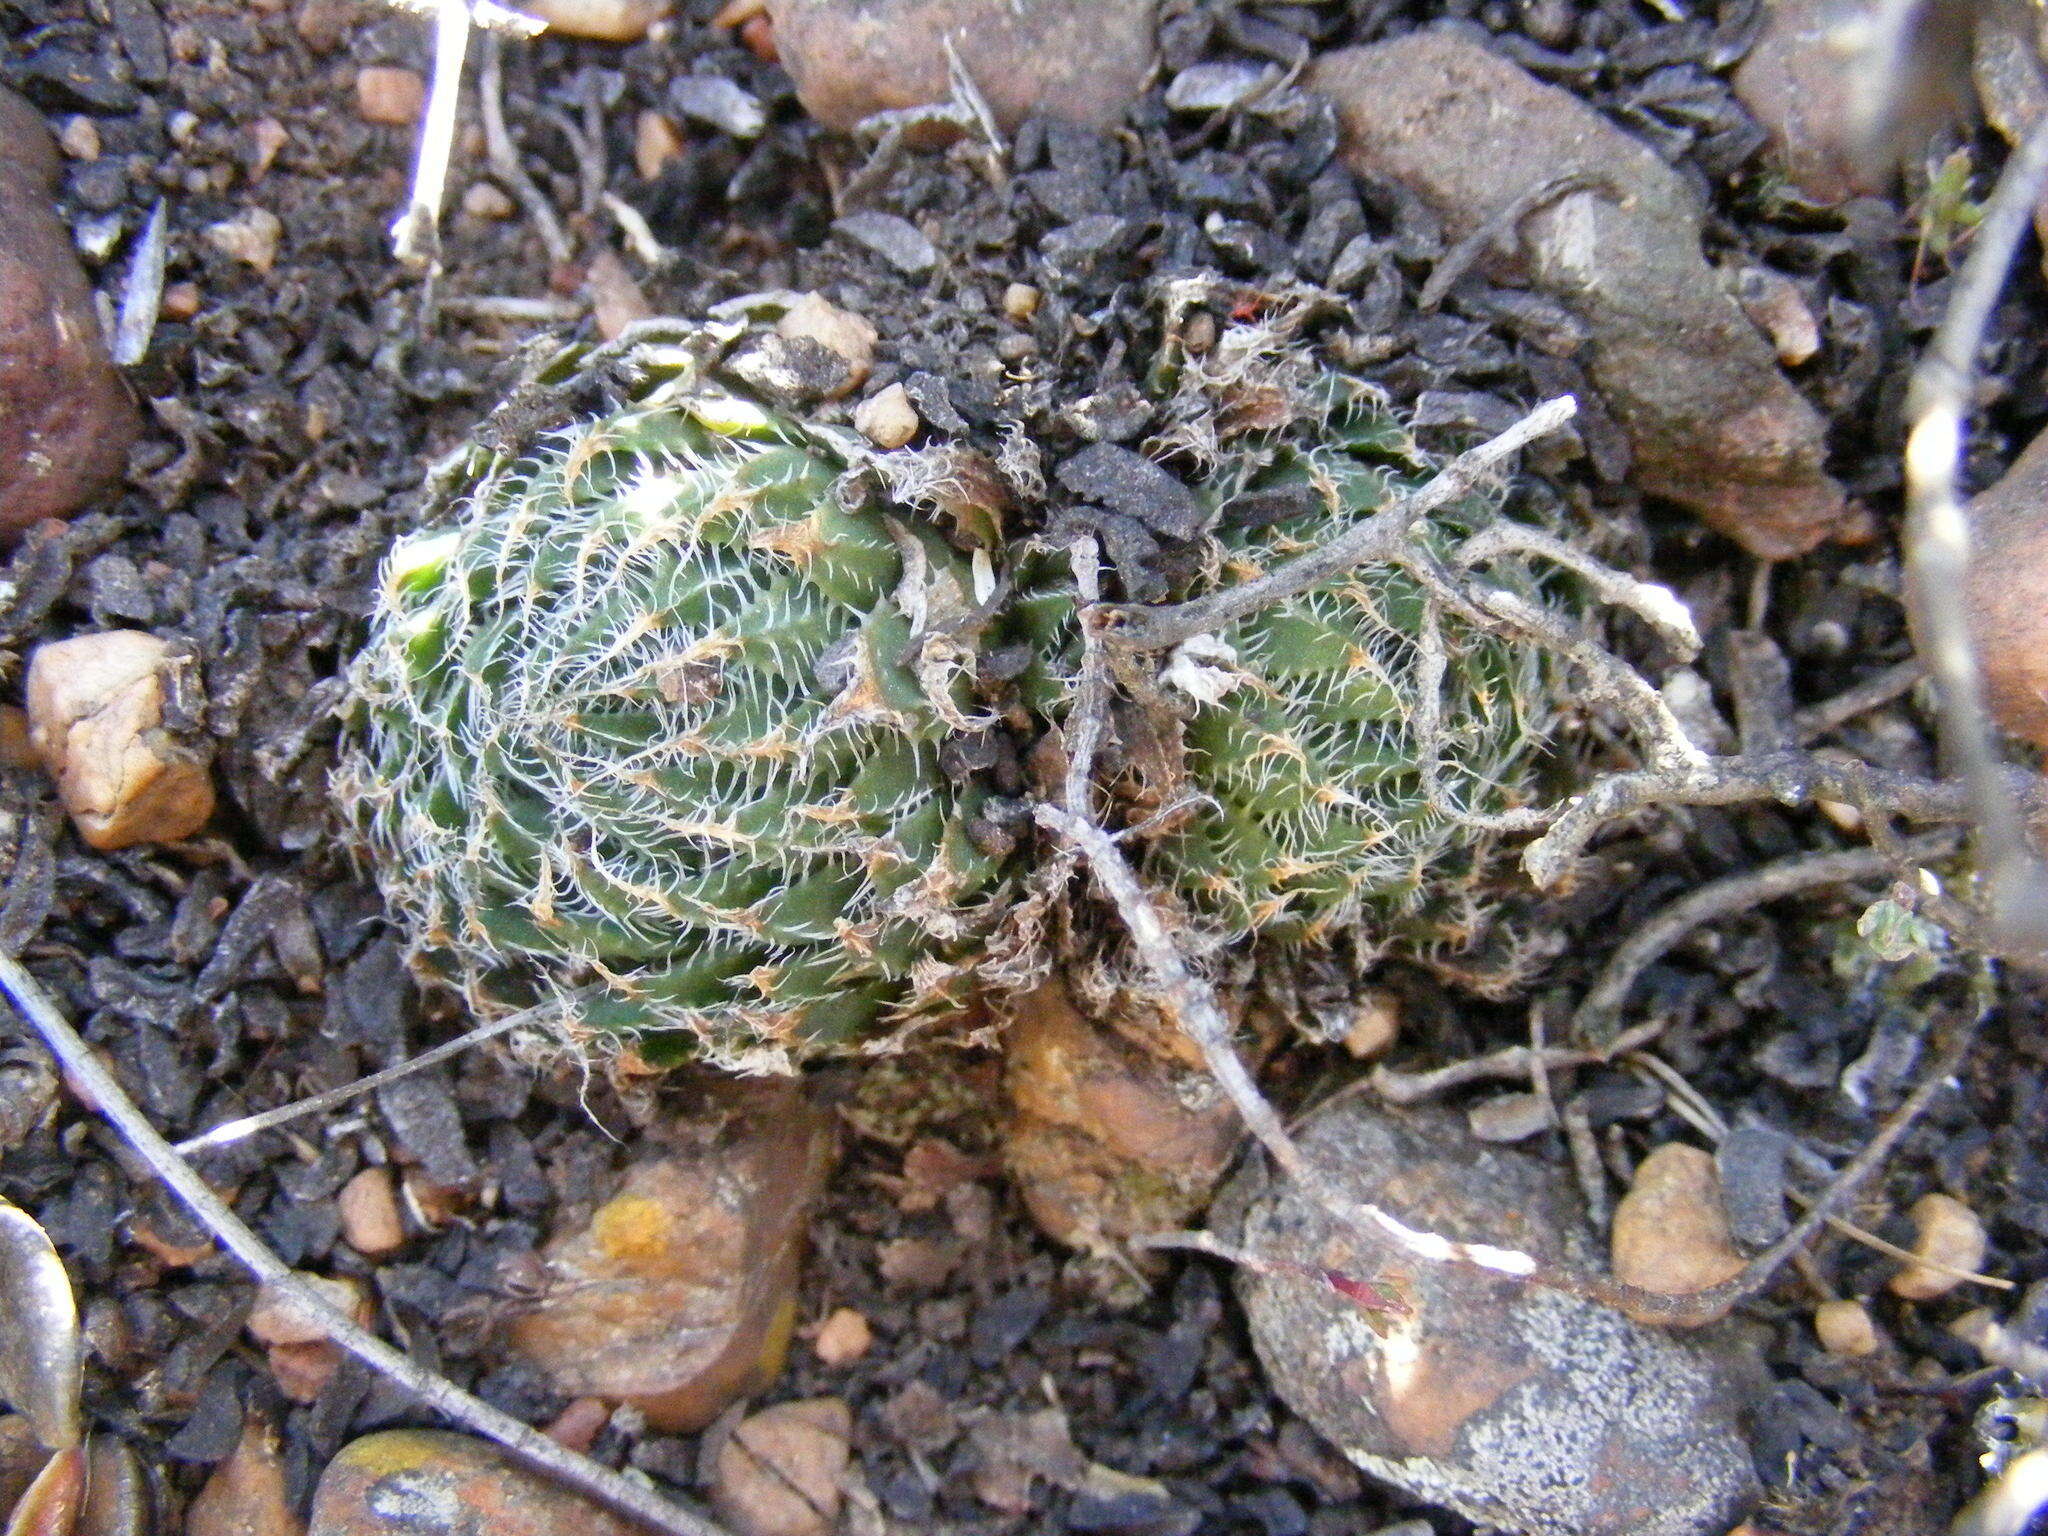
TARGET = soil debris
x,y
1595,219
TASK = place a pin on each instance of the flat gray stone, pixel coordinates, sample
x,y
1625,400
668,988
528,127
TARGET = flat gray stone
x,y
1515,1406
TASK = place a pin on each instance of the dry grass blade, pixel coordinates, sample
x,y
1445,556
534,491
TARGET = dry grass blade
x,y
629,1498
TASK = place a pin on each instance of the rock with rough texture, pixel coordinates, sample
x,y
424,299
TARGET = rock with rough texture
x,y
427,1482
1797,83
1670,1231
778,1472
1513,1405
66,419
97,708
1711,422
2003,595
1106,1139
1083,61
850,336
679,1295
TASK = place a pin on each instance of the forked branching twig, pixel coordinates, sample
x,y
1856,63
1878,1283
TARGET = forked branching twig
x,y
577,1471
1386,535
1675,772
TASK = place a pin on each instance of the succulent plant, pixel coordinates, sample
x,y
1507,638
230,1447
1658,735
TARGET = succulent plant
x,y
1322,792
649,724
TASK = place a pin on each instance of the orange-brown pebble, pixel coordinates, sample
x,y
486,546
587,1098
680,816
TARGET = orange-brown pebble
x,y
843,1337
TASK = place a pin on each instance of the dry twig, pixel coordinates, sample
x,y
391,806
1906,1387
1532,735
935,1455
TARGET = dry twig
x,y
1386,535
1938,553
1655,935
312,1104
436,1392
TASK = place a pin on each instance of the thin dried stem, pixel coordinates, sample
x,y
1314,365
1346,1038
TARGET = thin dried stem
x,y
1816,721
1938,550
1383,536
416,235
1512,1063
1655,935
504,157
527,1443
312,1104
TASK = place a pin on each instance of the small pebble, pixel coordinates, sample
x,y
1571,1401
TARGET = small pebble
x,y
181,301
274,1320
778,1473
246,1494
1020,302
1375,1024
1509,1117
370,1219
1949,1234
1518,1407
608,21
1776,307
896,240
270,137
656,141
304,1371
389,95
1670,1233
1080,61
887,418
488,200
616,299
843,1338
1845,1327
851,336
757,36
578,1425
251,238
80,138
716,100
66,417
96,718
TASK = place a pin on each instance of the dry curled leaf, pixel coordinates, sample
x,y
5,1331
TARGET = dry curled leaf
x,y
39,1346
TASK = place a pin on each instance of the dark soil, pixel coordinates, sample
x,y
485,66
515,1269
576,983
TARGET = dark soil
x,y
292,417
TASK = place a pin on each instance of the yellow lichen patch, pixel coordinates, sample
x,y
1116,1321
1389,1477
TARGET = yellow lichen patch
x,y
634,1230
